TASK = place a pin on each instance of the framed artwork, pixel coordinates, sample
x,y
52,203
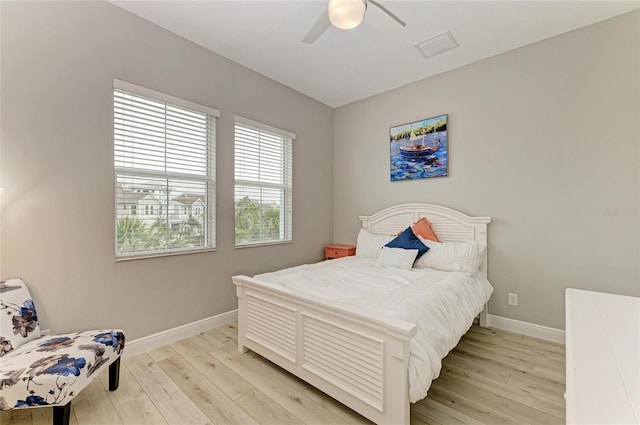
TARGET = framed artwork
x,y
419,149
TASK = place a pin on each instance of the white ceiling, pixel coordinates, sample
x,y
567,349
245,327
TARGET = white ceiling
x,y
345,66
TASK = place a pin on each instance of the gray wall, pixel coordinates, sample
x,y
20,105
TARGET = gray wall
x,y
58,63
544,139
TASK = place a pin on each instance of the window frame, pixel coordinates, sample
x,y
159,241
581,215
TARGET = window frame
x,y
286,186
209,179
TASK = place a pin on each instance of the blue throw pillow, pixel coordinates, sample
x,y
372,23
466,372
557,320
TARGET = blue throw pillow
x,y
407,240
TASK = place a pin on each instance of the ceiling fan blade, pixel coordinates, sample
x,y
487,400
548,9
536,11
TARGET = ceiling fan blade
x,y
321,25
388,12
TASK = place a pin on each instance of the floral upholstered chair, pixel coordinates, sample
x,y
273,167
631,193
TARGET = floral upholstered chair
x,y
39,371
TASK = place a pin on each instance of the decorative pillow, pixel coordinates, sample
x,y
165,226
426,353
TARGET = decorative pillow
x,y
370,245
397,257
19,320
407,240
423,229
463,257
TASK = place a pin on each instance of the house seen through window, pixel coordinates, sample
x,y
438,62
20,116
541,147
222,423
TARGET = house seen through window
x,y
164,163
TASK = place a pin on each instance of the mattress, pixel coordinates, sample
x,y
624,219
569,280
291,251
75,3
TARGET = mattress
x,y
441,304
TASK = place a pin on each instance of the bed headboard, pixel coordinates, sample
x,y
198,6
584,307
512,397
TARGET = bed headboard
x,y
450,225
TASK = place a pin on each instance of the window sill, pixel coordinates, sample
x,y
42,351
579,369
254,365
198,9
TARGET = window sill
x,y
255,244
162,254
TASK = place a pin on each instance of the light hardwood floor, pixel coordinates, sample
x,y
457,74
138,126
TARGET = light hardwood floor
x,y
491,377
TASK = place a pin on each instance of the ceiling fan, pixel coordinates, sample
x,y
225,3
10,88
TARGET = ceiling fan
x,y
344,14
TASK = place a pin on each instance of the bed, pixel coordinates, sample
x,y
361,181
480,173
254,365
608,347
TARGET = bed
x,y
356,355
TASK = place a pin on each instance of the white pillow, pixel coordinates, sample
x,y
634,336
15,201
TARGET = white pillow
x,y
370,245
397,257
463,257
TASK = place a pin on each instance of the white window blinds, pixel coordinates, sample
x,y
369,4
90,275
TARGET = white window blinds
x,y
263,183
164,158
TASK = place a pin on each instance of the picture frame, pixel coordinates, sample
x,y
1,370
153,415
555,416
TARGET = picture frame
x,y
419,149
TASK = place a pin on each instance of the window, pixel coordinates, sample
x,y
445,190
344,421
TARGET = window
x,y
263,195
164,155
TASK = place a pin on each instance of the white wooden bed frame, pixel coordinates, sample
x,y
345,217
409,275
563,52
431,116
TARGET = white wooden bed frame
x,y
358,359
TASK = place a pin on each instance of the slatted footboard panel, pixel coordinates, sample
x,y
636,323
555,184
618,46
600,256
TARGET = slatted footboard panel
x,y
350,361
272,326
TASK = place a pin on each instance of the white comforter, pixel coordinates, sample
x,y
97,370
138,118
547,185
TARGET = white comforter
x,y
441,304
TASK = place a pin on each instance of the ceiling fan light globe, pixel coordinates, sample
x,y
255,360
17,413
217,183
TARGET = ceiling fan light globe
x,y
346,14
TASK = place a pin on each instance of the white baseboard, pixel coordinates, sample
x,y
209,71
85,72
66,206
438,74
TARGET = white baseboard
x,y
526,328
146,343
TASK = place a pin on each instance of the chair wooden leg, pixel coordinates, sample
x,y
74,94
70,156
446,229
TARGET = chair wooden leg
x,y
114,375
61,414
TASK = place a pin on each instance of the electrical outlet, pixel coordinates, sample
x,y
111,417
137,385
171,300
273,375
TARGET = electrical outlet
x,y
513,299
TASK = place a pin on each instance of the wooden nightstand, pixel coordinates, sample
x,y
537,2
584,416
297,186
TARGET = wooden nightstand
x,y
338,251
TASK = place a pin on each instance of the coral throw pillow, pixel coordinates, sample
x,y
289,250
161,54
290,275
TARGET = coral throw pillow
x,y
423,229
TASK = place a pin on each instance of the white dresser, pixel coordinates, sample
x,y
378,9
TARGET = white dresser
x,y
603,358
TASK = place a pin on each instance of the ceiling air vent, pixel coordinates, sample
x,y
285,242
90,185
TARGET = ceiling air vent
x,y
436,44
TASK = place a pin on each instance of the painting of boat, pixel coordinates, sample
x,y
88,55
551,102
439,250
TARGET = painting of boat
x,y
419,149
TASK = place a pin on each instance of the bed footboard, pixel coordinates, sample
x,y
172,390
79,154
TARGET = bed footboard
x,y
357,359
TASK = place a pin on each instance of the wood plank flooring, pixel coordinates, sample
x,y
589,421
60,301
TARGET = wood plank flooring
x,y
491,377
